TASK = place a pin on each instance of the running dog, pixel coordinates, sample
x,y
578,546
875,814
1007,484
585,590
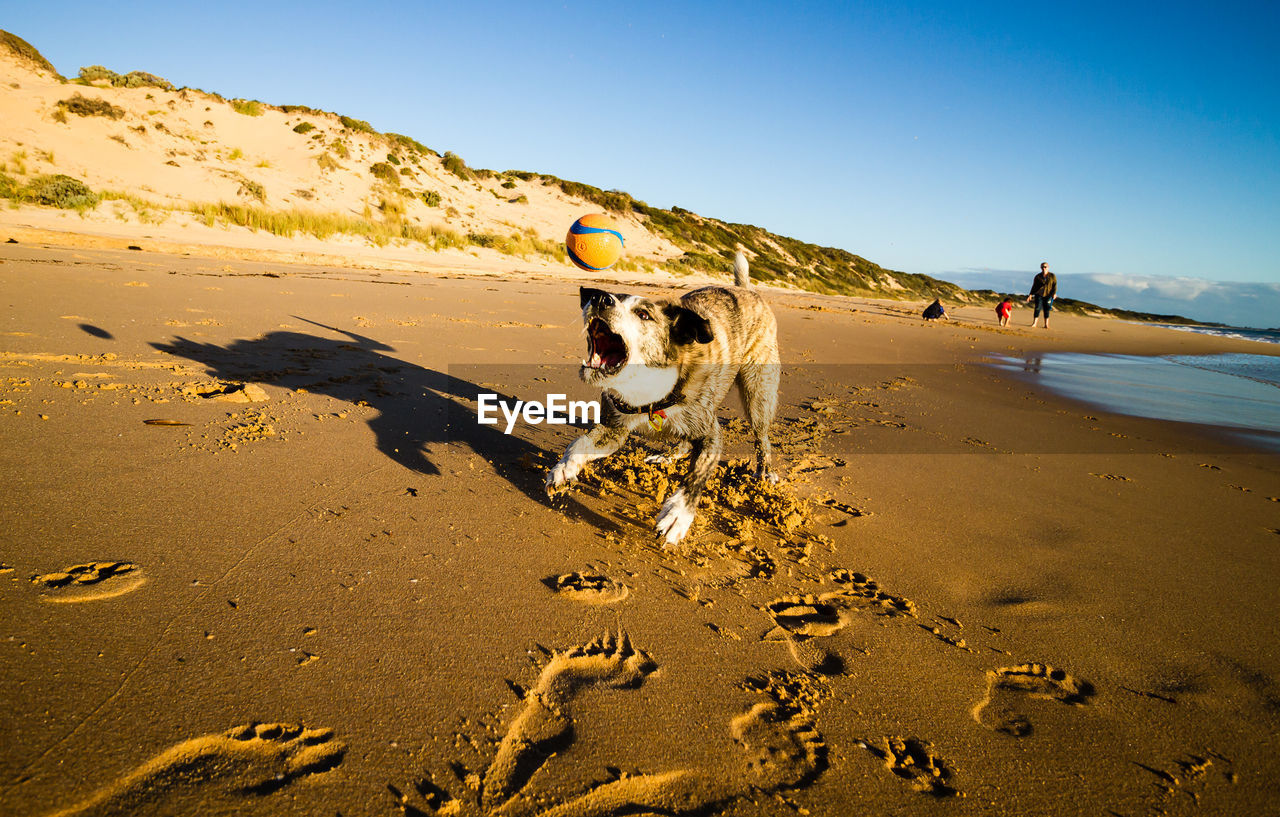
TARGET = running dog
x,y
665,365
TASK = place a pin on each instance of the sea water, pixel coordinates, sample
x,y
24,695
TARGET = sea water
x,y
1234,391
1244,333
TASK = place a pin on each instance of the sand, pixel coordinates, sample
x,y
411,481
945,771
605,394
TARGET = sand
x,y
259,558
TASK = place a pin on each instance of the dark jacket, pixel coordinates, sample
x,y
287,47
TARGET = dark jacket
x,y
1045,285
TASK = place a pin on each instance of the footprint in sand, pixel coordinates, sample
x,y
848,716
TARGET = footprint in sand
x,y
777,748
863,592
1005,686
249,760
808,615
545,726
588,587
913,760
90,582
801,619
776,751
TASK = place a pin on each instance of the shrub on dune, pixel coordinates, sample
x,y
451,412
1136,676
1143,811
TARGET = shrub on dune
x,y
90,74
81,105
385,172
60,191
248,107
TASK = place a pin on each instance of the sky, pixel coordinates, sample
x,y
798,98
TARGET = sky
x,y
944,138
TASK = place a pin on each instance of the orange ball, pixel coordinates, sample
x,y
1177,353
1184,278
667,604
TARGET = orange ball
x,y
594,242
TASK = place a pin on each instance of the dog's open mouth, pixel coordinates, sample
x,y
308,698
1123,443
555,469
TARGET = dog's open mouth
x,y
606,350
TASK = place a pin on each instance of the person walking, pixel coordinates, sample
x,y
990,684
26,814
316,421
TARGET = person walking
x,y
1044,288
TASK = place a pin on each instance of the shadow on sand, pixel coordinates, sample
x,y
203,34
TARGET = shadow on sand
x,y
419,410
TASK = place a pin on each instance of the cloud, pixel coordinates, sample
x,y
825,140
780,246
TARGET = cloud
x,y
1237,303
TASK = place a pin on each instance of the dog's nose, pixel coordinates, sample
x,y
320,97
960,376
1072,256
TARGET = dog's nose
x,y
595,298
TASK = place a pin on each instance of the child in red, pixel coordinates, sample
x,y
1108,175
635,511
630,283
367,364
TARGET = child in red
x,y
1004,309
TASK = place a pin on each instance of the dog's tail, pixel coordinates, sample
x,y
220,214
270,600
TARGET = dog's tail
x,y
741,272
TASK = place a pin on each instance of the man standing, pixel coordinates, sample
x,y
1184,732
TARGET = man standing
x,y
1043,289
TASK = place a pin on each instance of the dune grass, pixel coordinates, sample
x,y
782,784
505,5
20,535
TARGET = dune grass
x,y
147,212
288,223
390,228
455,165
522,243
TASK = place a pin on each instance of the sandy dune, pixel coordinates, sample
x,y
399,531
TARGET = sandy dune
x,y
167,150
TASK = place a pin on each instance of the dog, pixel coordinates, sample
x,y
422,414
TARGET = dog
x,y
664,366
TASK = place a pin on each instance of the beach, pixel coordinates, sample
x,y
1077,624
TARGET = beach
x,y
260,558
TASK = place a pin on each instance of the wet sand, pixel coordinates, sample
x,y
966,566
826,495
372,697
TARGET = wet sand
x,y
330,591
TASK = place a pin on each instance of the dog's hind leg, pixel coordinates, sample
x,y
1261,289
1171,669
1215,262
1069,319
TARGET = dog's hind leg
x,y
676,516
600,441
758,383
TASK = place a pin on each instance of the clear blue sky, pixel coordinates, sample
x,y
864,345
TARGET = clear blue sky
x,y
1107,138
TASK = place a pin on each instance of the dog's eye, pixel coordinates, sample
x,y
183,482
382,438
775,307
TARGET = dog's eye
x,y
643,315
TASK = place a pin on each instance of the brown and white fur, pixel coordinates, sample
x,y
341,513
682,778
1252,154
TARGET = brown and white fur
x,y
680,355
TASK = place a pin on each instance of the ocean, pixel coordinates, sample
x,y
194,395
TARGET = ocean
x,y
1264,335
1232,391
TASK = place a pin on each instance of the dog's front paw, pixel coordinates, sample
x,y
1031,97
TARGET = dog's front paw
x,y
562,474
675,518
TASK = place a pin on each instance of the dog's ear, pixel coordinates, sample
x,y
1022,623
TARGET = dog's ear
x,y
587,296
687,326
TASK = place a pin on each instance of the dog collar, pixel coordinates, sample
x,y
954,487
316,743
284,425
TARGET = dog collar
x,y
657,410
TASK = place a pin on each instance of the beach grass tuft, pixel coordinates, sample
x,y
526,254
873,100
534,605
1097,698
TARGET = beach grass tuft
x,y
288,223
454,164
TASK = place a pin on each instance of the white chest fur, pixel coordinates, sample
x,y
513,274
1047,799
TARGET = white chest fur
x,y
640,385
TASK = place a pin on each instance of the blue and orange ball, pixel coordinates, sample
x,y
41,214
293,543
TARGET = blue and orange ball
x,y
594,242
